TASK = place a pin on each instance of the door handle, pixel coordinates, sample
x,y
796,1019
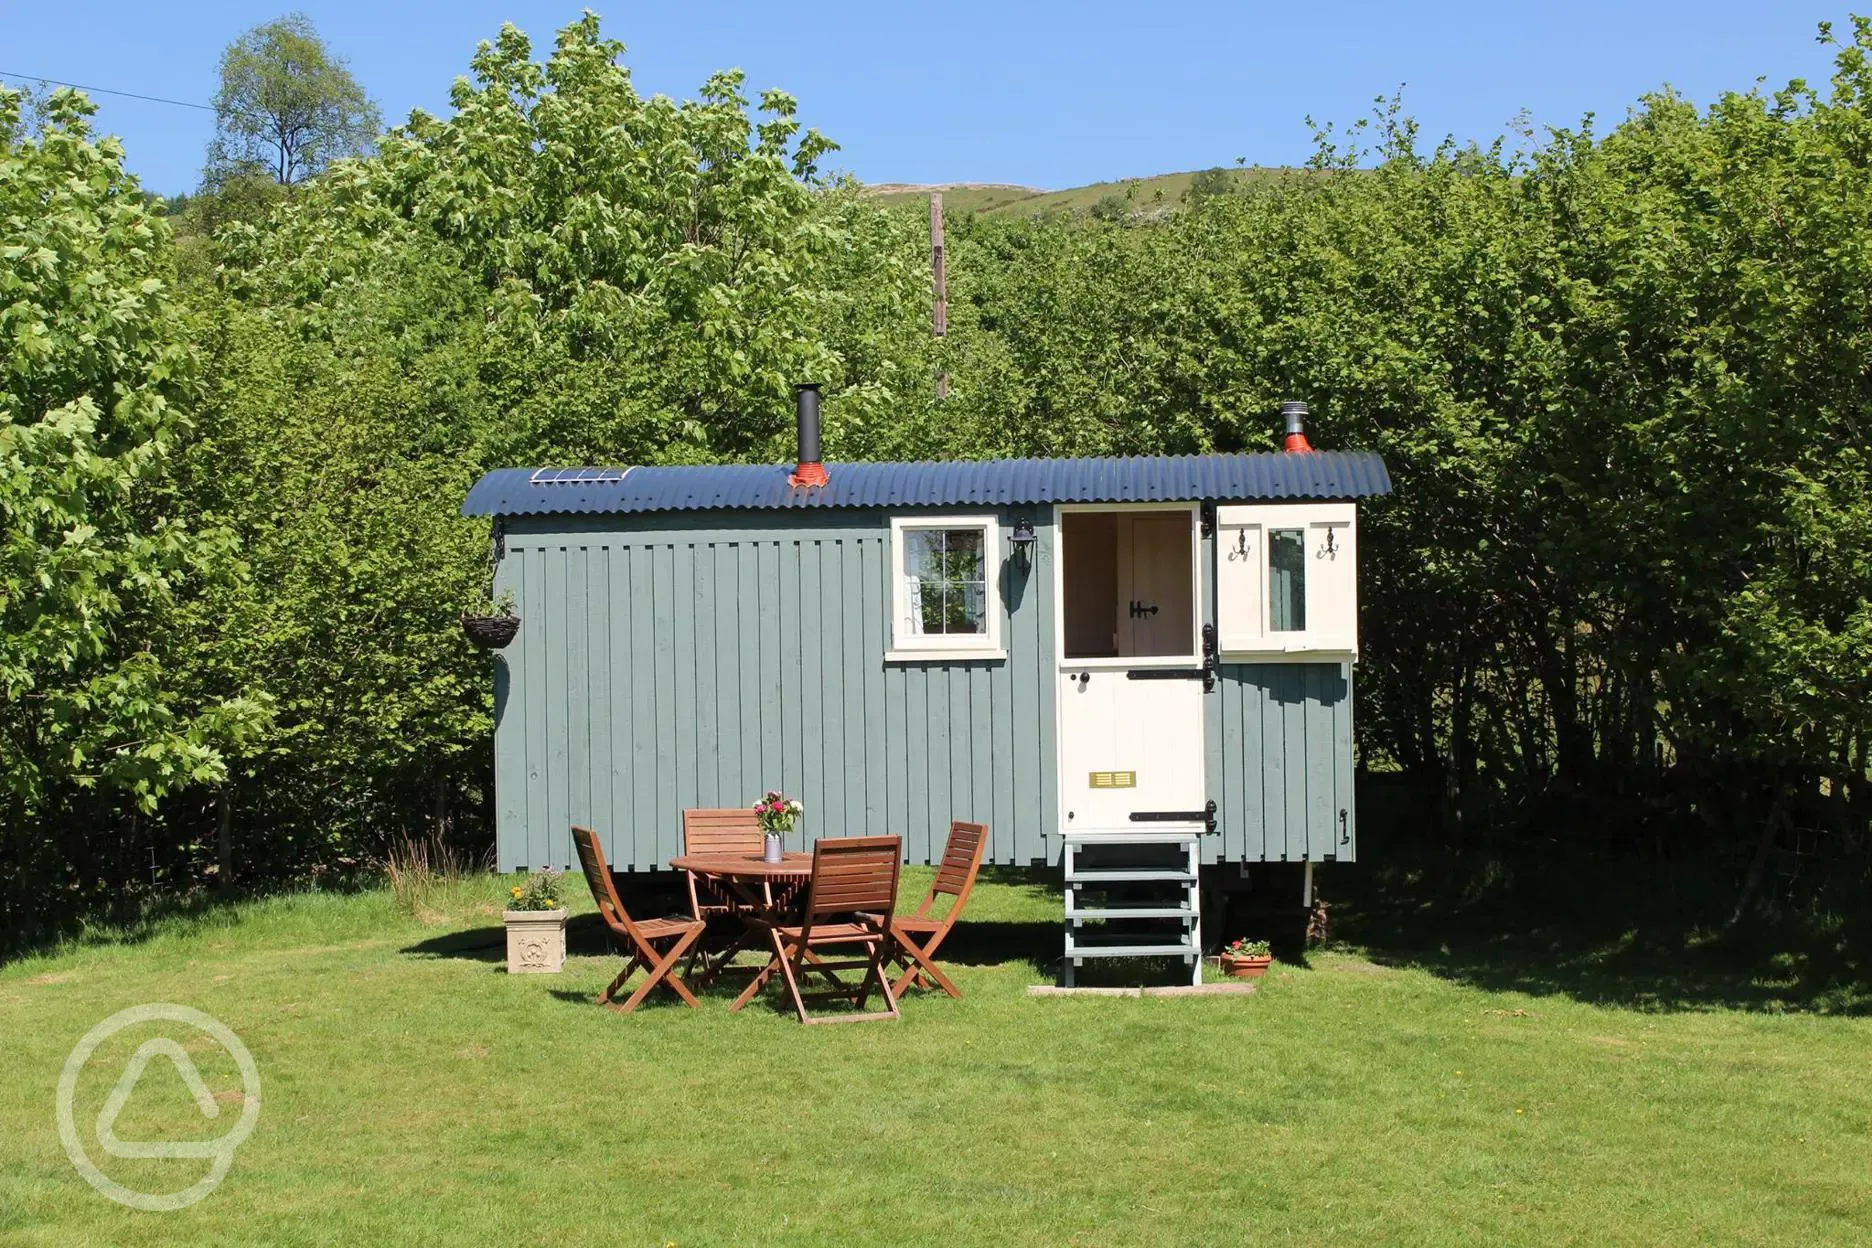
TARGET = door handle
x,y
1139,609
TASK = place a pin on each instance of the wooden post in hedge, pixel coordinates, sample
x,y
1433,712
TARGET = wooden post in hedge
x,y
939,311
224,843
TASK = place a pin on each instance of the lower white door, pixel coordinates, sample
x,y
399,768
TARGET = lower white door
x,y
1129,744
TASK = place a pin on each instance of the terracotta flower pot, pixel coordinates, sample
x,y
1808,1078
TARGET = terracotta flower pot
x,y
1245,968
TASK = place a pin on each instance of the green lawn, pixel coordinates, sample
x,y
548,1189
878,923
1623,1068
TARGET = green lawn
x,y
413,1093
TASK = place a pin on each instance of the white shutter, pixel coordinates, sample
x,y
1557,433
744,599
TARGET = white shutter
x,y
1243,579
1332,583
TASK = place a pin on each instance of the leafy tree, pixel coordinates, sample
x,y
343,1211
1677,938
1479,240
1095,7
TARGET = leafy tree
x,y
1621,586
287,107
562,270
1619,379
649,266
96,381
31,112
338,449
1211,182
240,196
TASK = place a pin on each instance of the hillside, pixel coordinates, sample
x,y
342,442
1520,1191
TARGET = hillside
x,y
1162,192
985,197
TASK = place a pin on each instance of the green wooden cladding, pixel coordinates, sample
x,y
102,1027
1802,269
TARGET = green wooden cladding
x,y
663,664
1280,764
696,659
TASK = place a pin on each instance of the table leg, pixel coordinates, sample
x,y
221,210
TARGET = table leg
x,y
724,960
766,973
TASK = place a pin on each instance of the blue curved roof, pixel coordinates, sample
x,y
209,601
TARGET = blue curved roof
x,y
987,482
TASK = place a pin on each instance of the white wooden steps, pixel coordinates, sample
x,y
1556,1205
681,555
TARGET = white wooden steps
x,y
1144,899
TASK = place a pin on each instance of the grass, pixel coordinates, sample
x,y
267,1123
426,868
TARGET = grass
x,y
1161,192
414,1093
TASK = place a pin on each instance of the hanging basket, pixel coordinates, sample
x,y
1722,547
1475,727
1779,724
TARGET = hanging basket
x,y
490,632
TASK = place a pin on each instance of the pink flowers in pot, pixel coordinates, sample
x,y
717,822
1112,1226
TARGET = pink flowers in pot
x,y
777,812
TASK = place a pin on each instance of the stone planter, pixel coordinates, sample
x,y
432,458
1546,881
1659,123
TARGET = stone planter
x,y
535,941
1245,968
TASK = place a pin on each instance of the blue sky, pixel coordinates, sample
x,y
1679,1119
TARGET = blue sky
x,y
1041,94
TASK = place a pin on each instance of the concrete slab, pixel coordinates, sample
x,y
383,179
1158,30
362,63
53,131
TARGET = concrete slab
x,y
1237,989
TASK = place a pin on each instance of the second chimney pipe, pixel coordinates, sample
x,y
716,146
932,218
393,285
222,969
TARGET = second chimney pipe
x,y
806,406
1293,417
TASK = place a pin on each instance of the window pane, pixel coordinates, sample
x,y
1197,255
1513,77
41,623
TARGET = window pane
x,y
968,613
964,550
930,607
1287,580
945,577
923,553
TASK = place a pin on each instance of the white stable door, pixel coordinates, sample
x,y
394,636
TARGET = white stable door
x,y
1128,746
1131,727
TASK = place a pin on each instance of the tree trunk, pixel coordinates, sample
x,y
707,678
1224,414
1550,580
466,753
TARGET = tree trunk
x,y
1777,817
1572,742
224,842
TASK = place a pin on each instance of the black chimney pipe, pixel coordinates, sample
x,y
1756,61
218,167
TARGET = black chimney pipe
x,y
806,407
806,404
1293,419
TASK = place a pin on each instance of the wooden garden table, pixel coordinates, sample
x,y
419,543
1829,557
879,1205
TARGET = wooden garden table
x,y
757,889
748,876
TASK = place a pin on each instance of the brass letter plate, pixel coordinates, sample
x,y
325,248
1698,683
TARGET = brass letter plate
x,y
1113,780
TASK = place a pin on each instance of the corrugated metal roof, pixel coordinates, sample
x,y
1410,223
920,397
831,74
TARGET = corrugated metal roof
x,y
988,482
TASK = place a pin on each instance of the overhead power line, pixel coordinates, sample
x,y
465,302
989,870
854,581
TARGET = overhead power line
x,y
131,95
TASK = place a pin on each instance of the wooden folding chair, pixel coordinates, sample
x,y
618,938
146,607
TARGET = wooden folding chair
x,y
915,937
636,941
848,904
718,831
723,830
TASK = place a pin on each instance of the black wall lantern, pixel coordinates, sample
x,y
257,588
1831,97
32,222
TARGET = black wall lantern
x,y
1022,539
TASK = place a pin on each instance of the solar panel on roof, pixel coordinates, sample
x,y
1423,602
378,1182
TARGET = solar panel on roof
x,y
576,476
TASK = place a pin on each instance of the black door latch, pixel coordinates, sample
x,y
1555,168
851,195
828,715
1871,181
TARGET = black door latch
x,y
1206,816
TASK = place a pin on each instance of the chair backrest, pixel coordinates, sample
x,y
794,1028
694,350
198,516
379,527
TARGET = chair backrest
x,y
852,874
955,875
721,831
598,879
961,859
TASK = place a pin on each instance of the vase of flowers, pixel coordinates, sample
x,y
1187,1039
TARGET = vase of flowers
x,y
777,814
536,919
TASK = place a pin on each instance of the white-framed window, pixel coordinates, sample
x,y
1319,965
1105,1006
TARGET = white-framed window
x,y
945,600
1287,579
